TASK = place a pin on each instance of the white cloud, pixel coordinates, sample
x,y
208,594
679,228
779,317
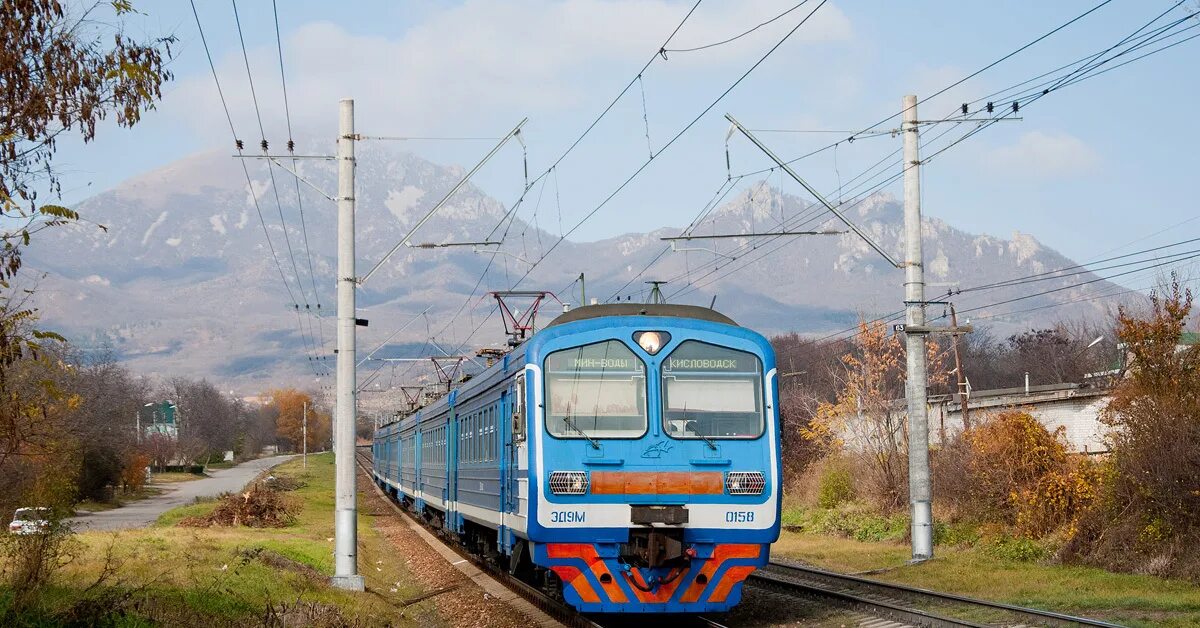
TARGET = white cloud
x,y
1041,155
483,57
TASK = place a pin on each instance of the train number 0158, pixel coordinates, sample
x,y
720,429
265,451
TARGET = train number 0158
x,y
739,516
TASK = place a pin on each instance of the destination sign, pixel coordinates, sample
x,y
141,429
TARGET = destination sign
x,y
602,363
698,356
703,363
611,355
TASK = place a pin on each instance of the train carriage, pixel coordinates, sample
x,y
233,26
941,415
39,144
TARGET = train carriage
x,y
626,458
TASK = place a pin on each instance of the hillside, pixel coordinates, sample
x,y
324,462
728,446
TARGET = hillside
x,y
182,281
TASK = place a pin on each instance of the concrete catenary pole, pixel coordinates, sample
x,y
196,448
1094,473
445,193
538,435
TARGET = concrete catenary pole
x,y
919,493
345,563
304,437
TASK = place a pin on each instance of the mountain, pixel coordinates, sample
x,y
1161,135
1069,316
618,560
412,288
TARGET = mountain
x,y
181,280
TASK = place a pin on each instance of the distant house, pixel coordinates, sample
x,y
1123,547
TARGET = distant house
x,y
1074,407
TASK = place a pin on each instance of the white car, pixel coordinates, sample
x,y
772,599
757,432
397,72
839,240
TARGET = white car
x,y
30,521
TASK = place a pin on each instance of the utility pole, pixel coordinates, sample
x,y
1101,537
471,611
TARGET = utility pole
x,y
345,571
304,437
919,493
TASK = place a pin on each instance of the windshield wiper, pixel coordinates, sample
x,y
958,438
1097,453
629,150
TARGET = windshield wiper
x,y
711,445
710,442
569,422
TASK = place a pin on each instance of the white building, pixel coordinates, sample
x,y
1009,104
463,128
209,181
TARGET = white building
x,y
1074,407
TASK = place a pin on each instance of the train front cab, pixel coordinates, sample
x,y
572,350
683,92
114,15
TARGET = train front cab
x,y
655,450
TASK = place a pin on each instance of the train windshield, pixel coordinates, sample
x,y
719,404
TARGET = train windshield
x,y
712,392
596,391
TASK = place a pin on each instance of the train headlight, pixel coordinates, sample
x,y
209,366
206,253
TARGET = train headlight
x,y
651,341
569,482
745,483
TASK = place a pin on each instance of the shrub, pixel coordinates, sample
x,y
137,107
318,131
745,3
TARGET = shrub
x,y
1148,517
855,521
31,560
837,488
1017,548
1021,475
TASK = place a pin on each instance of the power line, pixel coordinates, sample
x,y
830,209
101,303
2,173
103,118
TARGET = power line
x,y
735,37
997,61
625,90
245,169
675,138
263,135
1072,77
510,215
291,146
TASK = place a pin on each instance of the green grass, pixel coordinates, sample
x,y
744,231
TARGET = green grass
x,y
172,517
198,576
983,572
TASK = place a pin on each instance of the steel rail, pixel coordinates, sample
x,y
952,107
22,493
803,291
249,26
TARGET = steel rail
x,y
818,581
552,607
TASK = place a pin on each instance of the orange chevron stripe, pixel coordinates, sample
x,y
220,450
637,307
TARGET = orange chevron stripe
x,y
612,589
574,578
732,576
721,553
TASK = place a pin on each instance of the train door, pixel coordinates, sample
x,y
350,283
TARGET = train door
x,y
452,453
418,460
514,454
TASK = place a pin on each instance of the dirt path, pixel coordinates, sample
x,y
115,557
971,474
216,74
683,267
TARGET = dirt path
x,y
144,512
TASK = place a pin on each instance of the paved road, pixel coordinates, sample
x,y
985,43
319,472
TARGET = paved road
x,y
144,512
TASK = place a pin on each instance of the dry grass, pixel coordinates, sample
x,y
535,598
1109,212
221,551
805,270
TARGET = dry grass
x,y
174,477
239,576
1134,600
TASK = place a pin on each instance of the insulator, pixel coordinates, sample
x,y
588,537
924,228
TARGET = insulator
x,y
1016,106
990,107
264,145
964,109
239,143
291,146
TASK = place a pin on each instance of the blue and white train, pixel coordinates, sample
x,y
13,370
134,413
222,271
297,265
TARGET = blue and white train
x,y
624,458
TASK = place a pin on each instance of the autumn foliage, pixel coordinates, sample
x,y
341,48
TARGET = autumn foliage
x,y
1021,475
1148,517
865,410
289,404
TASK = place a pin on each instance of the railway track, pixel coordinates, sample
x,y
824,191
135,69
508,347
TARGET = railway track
x,y
905,604
892,604
555,609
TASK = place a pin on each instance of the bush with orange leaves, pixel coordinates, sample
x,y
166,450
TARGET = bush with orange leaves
x,y
1148,518
1021,475
865,418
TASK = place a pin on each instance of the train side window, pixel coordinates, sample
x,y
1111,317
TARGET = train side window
x,y
518,414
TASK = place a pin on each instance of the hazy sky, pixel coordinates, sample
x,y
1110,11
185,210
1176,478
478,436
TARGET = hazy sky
x,y
1091,168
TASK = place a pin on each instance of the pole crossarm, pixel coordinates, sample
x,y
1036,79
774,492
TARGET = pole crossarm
x,y
443,245
269,156
953,330
393,335
675,248
750,235
811,190
511,134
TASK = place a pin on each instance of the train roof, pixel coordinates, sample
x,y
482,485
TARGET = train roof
x,y
642,309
